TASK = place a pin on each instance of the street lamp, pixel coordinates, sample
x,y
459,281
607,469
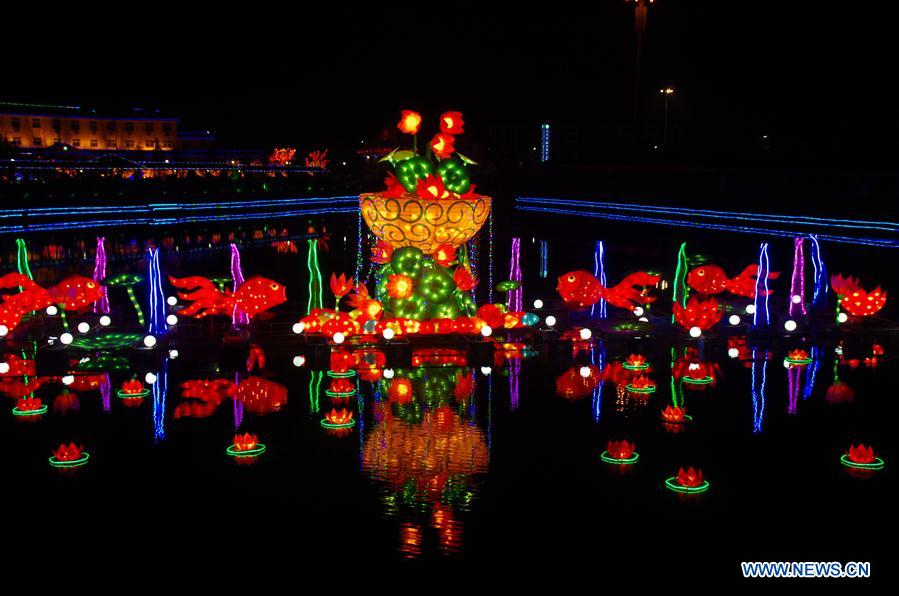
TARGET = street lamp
x,y
666,92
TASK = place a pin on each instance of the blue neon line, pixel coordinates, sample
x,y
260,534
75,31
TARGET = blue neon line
x,y
776,218
884,243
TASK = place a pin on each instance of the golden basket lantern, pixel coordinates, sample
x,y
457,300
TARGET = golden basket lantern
x,y
423,223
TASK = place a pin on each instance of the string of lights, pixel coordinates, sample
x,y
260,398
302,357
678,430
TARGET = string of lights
x,y
544,259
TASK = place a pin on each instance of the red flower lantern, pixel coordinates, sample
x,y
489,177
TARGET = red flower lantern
x,y
465,281
444,255
451,123
431,188
340,286
381,252
399,286
697,313
410,122
442,145
492,314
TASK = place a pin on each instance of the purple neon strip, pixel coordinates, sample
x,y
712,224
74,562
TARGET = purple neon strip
x,y
515,296
797,283
101,306
238,317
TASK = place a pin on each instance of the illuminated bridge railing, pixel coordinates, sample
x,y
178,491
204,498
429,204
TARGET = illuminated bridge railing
x,y
884,234
42,219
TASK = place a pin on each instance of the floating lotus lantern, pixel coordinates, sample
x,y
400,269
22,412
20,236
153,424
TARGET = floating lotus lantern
x,y
69,456
641,384
28,407
133,389
797,357
697,313
620,452
675,415
854,299
635,362
245,445
695,373
861,458
338,419
341,387
689,481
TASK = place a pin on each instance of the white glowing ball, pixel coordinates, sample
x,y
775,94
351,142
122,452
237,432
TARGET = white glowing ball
x,y
586,334
750,309
550,320
298,328
643,320
105,320
4,368
486,370
171,301
786,364
538,303
338,337
83,327
150,378
841,318
388,333
149,341
638,311
733,352
66,338
173,353
171,320
790,325
486,330
695,331
4,330
585,372
299,361
796,299
52,310
388,373
734,319
68,379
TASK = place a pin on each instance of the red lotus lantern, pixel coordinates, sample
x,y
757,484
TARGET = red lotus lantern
x,y
338,419
29,406
133,389
451,123
410,122
342,361
697,313
839,392
442,145
641,384
341,286
861,458
245,446
341,387
431,188
400,391
620,452
689,481
635,362
465,281
444,254
69,456
675,415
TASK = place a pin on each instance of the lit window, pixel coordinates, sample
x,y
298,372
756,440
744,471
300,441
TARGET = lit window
x,y
35,123
76,142
129,143
16,123
111,144
149,144
129,127
94,143
110,126
36,141
17,141
148,127
94,125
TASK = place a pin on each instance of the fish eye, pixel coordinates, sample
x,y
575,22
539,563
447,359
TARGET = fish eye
x,y
90,284
275,286
570,278
700,272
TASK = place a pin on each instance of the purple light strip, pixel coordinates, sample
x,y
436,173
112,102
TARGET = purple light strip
x,y
101,306
238,317
794,380
797,283
514,375
515,296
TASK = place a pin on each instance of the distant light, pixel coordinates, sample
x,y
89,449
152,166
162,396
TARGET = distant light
x,y
796,299
4,368
638,311
83,327
150,378
586,333
298,328
486,370
338,337
695,331
171,300
538,303
750,309
585,372
790,325
149,341
173,353
388,373
66,338
486,330
550,320
171,319
643,320
105,320
841,318
733,352
52,310
68,379
388,333
734,319
4,330
299,361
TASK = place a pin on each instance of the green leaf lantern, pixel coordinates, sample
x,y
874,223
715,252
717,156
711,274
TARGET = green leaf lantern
x,y
447,310
407,260
455,175
466,304
413,307
508,285
410,171
436,285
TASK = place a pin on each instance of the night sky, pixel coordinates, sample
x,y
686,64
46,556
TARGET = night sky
x,y
814,79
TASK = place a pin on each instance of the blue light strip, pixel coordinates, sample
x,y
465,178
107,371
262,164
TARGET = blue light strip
x,y
160,389
760,281
156,323
599,271
821,283
758,392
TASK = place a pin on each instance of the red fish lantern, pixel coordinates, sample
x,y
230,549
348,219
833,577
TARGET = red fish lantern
x,y
254,296
711,280
580,289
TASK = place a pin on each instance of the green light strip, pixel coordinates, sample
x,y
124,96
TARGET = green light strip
x,y
315,277
58,463
140,313
604,456
257,450
125,395
327,424
37,412
671,484
332,394
680,278
875,465
341,375
627,366
633,389
799,361
701,381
